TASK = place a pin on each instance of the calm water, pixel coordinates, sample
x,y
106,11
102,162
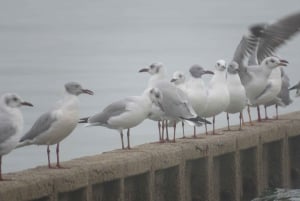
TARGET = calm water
x,y
103,44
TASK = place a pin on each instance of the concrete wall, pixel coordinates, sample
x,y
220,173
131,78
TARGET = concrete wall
x,y
234,166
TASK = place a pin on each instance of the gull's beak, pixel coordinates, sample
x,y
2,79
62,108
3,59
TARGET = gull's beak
x,y
283,62
144,70
173,80
86,91
208,72
26,103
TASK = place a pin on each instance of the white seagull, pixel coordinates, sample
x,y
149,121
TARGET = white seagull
x,y
157,72
179,80
217,93
11,123
55,125
125,113
195,88
174,103
283,99
176,106
237,93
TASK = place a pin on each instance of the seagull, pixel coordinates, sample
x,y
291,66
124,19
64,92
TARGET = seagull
x,y
237,93
217,93
263,40
176,106
283,99
11,123
157,72
194,88
174,102
125,113
55,125
179,80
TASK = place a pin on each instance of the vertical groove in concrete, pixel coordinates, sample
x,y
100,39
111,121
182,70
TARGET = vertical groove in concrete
x,y
294,152
89,193
227,180
211,176
272,153
248,167
151,185
285,158
166,184
181,182
237,176
122,189
196,180
136,188
260,174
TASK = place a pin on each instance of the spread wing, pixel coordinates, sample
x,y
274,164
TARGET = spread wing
x,y
276,34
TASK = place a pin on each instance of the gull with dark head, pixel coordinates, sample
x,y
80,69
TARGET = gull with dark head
x,y
56,124
194,87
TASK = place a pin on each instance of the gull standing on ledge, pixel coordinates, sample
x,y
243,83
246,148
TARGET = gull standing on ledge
x,y
194,88
55,125
11,123
262,42
237,93
174,103
217,93
125,113
179,81
283,99
157,72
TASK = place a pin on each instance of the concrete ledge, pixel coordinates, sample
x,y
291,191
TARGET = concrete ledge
x,y
144,172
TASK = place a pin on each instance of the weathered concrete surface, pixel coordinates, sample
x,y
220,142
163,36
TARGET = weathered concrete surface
x,y
234,166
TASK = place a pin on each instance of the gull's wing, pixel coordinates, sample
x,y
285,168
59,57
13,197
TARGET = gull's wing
x,y
114,109
276,34
6,130
42,124
247,45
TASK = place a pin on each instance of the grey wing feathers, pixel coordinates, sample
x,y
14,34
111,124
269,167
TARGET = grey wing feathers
x,y
111,110
285,93
247,44
6,131
264,91
276,34
42,124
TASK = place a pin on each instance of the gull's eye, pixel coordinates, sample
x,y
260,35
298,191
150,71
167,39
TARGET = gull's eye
x,y
15,99
180,76
152,66
157,95
272,60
